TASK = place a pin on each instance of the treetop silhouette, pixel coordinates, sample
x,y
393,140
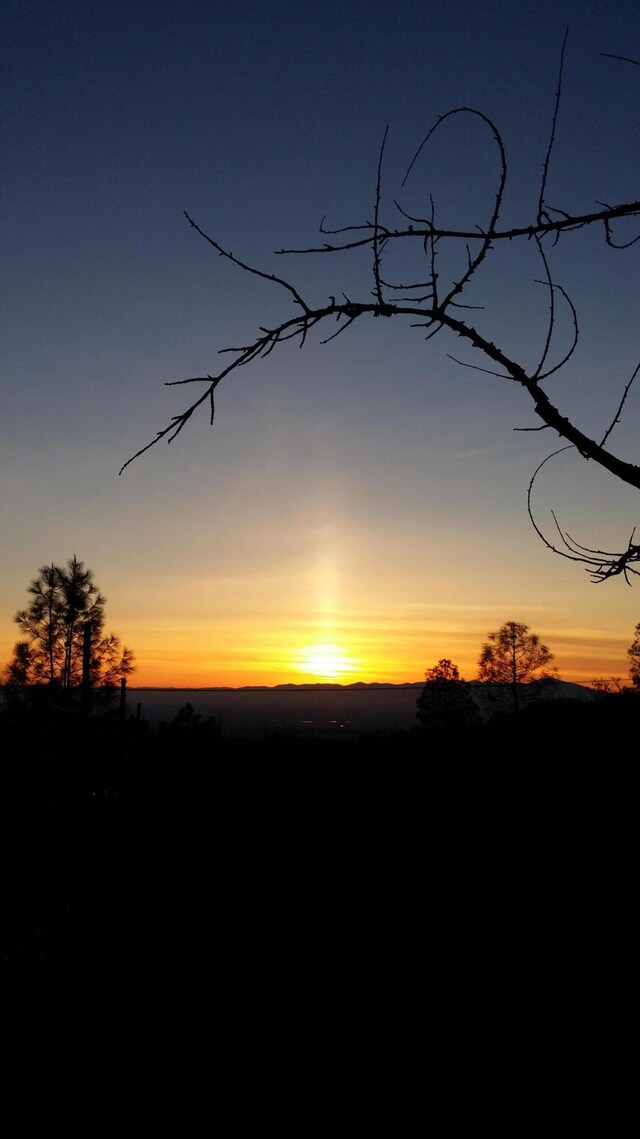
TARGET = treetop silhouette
x,y
513,656
64,629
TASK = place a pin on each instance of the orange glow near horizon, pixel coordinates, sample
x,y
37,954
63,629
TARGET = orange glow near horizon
x,y
159,674
350,651
327,629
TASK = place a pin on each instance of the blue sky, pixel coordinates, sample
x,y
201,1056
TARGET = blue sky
x,y
368,494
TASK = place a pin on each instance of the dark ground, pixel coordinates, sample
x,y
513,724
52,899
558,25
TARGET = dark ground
x,y
180,887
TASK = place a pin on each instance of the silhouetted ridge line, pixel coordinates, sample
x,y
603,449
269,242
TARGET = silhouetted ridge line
x,y
373,685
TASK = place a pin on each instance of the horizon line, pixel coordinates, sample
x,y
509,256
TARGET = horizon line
x,y
322,684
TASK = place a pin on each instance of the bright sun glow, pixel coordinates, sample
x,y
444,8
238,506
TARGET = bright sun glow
x,y
325,661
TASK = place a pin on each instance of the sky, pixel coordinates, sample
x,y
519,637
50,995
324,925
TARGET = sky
x,y
358,510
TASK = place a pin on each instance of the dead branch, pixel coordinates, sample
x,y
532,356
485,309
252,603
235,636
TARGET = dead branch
x,y
442,307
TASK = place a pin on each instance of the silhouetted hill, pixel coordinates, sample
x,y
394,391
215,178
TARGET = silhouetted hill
x,y
329,709
563,689
319,685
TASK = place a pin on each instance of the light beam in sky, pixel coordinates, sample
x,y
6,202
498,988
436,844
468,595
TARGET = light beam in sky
x,y
358,511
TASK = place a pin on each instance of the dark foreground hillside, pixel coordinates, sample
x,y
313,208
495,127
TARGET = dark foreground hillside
x,y
174,885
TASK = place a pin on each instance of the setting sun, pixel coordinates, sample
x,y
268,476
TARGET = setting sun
x,y
324,661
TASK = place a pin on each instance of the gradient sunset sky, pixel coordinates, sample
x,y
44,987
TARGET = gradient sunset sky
x,y
358,509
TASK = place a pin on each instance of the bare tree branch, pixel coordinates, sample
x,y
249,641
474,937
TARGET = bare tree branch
x,y
437,305
601,564
567,223
539,374
624,58
616,418
377,244
552,137
248,268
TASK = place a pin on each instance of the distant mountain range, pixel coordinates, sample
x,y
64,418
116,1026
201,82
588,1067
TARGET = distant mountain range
x,y
320,686
556,689
329,709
